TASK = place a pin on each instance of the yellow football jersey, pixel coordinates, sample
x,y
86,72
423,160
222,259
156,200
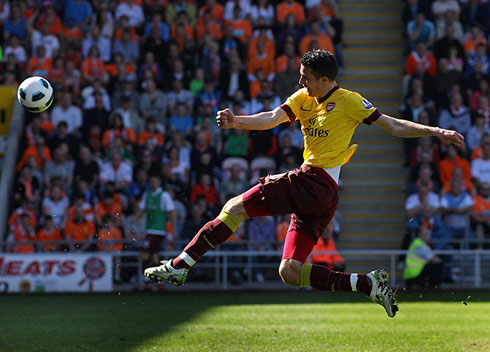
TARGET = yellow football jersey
x,y
328,124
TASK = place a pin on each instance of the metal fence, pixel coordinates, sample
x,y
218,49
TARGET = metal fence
x,y
223,268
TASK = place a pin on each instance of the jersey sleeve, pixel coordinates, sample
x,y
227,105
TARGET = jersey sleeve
x,y
293,104
359,108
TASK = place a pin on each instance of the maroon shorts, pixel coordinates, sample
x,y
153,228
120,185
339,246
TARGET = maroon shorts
x,y
309,194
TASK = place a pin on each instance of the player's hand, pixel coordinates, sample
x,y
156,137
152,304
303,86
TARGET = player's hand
x,y
450,137
226,119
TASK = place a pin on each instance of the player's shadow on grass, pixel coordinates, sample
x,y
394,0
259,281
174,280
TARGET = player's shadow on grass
x,y
122,323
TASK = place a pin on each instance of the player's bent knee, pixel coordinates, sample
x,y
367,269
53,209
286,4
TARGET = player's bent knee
x,y
290,271
236,207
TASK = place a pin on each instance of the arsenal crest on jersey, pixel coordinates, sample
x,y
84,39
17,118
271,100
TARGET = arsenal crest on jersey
x,y
330,106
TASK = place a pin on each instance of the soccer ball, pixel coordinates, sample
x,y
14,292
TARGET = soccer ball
x,y
35,94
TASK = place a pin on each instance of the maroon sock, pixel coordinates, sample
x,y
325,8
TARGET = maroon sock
x,y
209,236
324,279
363,284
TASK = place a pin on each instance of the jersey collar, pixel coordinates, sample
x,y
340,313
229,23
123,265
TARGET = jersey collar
x,y
326,96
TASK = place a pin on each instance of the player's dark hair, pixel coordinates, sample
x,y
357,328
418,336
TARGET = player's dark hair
x,y
321,62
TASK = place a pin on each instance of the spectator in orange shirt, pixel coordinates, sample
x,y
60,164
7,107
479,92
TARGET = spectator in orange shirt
x,y
186,29
107,207
80,203
217,11
151,132
46,124
290,7
24,208
322,39
262,60
481,214
50,17
466,186
93,65
242,29
450,162
24,232
109,232
57,70
71,32
327,9
261,35
256,86
80,231
208,26
475,38
326,243
119,70
39,65
49,232
124,26
478,151
421,56
118,130
39,151
182,34
289,53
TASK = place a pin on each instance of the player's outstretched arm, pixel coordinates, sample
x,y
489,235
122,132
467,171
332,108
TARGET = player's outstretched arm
x,y
262,121
408,129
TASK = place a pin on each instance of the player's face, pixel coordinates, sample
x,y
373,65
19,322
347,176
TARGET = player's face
x,y
309,81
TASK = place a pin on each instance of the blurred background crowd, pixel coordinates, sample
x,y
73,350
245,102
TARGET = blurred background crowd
x,y
447,84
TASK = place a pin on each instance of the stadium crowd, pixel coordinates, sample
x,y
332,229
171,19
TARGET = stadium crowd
x,y
137,85
447,84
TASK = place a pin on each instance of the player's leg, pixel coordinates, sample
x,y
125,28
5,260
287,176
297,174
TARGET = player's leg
x,y
293,271
215,232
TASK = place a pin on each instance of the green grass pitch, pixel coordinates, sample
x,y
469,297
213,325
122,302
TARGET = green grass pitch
x,y
285,321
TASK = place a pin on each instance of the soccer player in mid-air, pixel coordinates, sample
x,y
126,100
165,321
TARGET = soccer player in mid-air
x,y
329,116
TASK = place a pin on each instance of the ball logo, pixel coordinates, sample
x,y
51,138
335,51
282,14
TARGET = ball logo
x,y
330,106
367,104
93,269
